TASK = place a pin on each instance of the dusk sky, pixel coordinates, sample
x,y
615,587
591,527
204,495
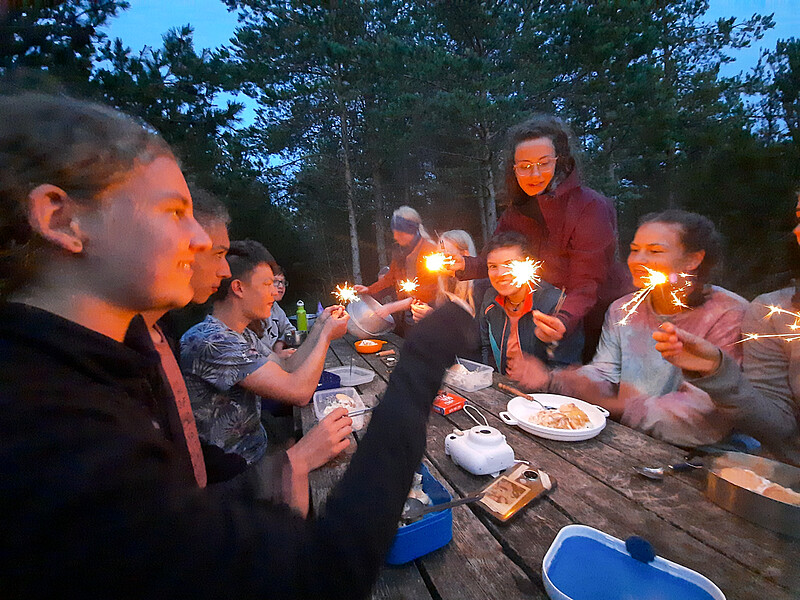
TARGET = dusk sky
x,y
147,20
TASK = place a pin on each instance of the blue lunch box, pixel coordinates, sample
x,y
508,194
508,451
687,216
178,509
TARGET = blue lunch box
x,y
586,564
429,533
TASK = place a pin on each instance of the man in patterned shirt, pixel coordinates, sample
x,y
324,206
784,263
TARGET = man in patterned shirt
x,y
225,373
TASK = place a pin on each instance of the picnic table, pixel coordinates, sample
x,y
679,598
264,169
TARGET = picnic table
x,y
596,486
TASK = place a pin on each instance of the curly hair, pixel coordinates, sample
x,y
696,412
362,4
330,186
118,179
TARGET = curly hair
x,y
80,147
539,126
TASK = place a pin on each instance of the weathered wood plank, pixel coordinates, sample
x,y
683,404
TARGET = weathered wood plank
x,y
403,582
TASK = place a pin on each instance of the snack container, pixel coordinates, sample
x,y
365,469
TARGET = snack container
x,y
430,533
447,402
478,377
324,398
584,563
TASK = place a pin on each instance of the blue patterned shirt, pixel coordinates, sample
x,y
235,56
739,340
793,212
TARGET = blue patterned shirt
x,y
214,359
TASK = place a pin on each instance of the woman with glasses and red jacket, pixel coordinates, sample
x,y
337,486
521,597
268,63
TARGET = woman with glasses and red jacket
x,y
572,228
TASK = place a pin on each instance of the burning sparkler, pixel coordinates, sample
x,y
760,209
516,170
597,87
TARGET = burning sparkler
x,y
346,293
525,272
437,262
789,337
408,285
651,281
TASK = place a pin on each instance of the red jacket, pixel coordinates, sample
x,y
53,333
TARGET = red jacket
x,y
578,248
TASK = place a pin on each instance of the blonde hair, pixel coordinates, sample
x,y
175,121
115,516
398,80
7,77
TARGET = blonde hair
x,y
449,286
408,213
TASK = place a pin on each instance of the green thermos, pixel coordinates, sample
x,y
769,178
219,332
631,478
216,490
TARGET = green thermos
x,y
302,318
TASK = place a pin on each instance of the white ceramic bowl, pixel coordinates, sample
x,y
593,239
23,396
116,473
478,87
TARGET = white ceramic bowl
x,y
520,409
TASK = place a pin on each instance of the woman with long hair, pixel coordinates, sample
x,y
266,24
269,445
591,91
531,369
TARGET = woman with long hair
x,y
627,375
571,228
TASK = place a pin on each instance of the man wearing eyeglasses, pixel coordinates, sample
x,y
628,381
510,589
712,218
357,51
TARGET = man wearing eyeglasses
x,y
278,324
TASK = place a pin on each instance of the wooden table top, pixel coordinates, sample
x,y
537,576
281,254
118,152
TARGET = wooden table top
x,y
596,486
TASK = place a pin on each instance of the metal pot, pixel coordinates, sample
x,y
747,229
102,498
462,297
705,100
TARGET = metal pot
x,y
364,320
756,508
293,339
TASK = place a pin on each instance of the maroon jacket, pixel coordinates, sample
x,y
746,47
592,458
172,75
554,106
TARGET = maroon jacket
x,y
413,266
578,247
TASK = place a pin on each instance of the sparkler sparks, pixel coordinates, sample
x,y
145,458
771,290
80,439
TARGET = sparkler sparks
x,y
788,337
437,262
651,281
346,293
525,272
408,285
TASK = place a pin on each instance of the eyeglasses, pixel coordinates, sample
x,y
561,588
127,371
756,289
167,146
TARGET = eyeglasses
x,y
280,283
526,169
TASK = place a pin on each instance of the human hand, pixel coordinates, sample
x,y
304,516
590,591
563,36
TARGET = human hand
x,y
549,329
323,442
285,353
687,351
335,324
457,263
528,371
360,289
420,310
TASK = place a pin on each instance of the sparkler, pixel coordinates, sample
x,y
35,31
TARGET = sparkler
x,y
525,272
346,293
437,262
651,281
789,337
408,285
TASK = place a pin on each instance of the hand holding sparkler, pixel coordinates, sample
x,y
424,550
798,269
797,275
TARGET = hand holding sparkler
x,y
686,350
334,320
549,328
345,293
420,310
360,289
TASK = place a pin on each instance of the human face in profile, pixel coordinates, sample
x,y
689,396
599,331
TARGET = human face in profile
x,y
211,265
658,246
258,293
142,241
535,164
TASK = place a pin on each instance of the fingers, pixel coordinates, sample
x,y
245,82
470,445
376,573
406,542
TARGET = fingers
x,y
548,327
361,289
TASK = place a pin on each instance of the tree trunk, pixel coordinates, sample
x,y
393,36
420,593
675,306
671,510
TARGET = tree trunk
x,y
380,217
489,201
348,183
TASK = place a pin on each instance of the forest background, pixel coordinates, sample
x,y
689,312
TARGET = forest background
x,y
360,107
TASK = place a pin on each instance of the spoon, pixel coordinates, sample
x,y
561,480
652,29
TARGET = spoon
x,y
516,392
660,472
417,509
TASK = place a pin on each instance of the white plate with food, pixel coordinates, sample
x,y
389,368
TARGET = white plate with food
x,y
573,420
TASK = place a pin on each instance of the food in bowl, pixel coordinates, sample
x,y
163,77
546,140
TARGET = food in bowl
x,y
568,416
340,401
761,485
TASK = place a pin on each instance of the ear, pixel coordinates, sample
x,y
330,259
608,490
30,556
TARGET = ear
x,y
236,287
54,216
694,259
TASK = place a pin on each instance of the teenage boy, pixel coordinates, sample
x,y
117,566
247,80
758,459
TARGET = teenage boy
x,y
226,373
516,319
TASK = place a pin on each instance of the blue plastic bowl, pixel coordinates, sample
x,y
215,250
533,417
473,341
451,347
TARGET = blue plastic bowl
x,y
430,533
587,564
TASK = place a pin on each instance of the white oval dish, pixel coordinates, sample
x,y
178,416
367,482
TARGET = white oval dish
x,y
520,409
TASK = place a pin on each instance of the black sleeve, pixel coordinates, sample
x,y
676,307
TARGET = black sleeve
x,y
104,509
474,268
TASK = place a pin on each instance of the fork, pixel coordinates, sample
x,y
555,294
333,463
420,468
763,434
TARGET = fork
x,y
516,392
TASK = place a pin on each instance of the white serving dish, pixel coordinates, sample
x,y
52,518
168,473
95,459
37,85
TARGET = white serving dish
x,y
359,375
324,398
597,565
520,409
478,378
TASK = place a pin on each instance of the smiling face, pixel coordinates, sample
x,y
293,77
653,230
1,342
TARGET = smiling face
x,y
258,293
658,246
142,241
531,154
211,265
498,261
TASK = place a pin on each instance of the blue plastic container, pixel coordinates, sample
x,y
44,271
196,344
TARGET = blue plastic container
x,y
586,564
328,381
430,533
